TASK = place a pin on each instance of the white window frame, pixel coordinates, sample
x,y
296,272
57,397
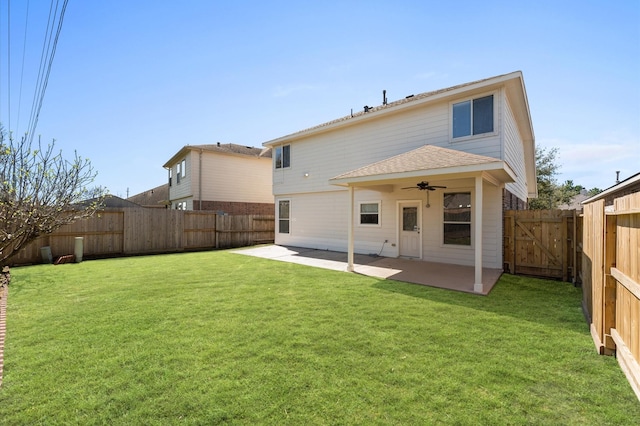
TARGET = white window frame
x,y
471,99
184,167
278,214
281,149
470,222
359,214
178,172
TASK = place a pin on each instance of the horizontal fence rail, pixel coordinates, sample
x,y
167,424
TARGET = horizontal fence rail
x,y
133,231
611,285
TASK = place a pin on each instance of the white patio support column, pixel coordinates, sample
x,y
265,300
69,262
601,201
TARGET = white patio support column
x,y
477,220
351,217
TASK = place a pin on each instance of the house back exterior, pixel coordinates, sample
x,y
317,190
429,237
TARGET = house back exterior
x,y
352,183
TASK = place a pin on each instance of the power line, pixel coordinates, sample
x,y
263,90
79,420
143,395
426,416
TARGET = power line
x,y
24,54
52,32
46,61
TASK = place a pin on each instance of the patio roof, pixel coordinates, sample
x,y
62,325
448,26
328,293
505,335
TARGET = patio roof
x,y
428,160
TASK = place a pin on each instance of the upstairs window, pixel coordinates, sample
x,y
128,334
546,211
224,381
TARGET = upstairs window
x,y
181,170
473,117
283,157
457,218
170,173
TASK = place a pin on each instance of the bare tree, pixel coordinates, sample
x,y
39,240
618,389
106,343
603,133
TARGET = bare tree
x,y
40,191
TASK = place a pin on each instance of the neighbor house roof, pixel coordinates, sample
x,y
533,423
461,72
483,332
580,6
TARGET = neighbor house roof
x,y
631,183
428,160
156,197
223,148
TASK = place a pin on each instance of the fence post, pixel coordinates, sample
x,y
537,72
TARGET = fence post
x,y
610,284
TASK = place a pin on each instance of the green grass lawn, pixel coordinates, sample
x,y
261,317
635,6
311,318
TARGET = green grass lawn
x,y
216,337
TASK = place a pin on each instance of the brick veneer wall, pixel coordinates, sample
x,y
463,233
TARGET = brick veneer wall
x,y
231,207
511,202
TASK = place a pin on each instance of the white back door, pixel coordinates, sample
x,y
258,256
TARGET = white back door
x,y
410,219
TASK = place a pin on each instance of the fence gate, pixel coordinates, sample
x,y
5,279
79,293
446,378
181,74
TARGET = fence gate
x,y
541,243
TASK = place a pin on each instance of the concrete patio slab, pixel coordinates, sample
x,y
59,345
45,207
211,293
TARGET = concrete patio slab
x,y
441,275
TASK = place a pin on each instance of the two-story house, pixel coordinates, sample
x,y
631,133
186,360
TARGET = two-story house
x,y
227,178
424,177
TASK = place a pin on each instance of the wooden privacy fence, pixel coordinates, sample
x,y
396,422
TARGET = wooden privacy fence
x,y
611,281
132,231
543,243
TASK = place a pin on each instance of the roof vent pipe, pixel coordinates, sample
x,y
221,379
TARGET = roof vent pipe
x,y
367,108
218,143
384,97
617,177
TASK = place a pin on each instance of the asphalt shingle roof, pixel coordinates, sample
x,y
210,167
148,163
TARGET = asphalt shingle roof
x,y
427,157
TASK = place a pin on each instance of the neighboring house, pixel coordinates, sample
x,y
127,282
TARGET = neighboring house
x,y
157,197
113,202
227,178
630,185
576,201
411,178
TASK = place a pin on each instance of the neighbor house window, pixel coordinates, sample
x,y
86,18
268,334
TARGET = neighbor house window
x,y
182,205
170,173
178,172
457,218
283,156
284,216
369,213
473,117
184,168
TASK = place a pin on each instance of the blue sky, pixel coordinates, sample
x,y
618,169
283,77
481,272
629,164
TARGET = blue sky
x,y
134,81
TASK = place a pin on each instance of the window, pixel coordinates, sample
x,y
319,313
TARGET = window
x,y
284,210
370,213
182,205
181,171
457,218
283,156
473,117
170,173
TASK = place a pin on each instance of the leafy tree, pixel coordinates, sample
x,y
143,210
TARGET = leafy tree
x,y
40,191
594,191
550,193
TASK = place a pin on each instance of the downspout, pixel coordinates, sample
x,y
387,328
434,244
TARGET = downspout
x,y
168,169
200,180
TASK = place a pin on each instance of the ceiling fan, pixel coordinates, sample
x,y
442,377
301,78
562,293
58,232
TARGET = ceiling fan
x,y
424,186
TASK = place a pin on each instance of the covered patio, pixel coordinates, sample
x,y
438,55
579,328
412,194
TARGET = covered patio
x,y
446,276
424,163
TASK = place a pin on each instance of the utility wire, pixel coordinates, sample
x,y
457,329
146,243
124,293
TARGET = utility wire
x,y
46,62
24,54
9,66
